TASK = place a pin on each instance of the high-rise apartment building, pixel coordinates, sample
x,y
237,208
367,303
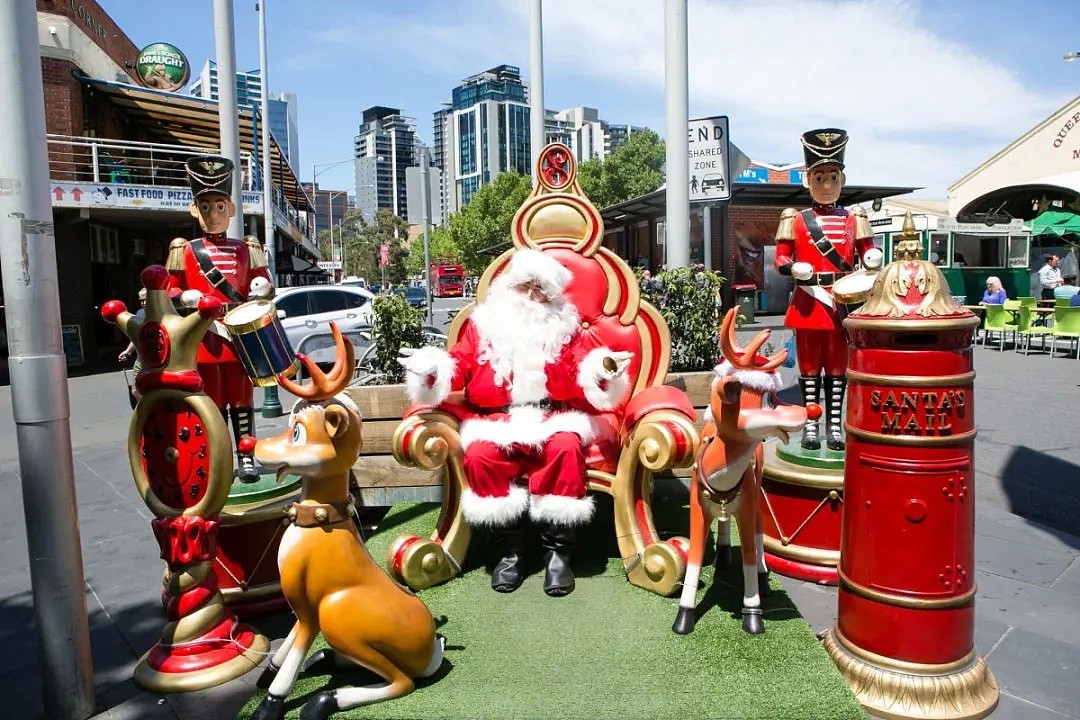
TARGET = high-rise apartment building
x,y
589,136
384,148
482,133
282,107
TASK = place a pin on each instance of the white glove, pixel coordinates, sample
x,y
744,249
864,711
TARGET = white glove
x,y
260,288
802,271
620,361
416,362
190,298
872,259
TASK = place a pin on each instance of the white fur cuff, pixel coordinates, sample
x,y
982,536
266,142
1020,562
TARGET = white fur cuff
x,y
561,510
429,361
494,511
759,380
590,374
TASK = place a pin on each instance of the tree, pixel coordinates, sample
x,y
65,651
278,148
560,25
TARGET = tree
x,y
635,169
485,221
363,243
441,244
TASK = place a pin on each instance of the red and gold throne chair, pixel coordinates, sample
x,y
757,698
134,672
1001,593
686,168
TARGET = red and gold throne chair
x,y
651,431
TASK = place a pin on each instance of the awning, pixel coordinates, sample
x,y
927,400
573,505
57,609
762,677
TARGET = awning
x,y
1055,222
187,120
654,205
301,266
1023,200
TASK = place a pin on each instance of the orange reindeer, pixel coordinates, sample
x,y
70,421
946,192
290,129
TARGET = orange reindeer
x,y
728,468
327,575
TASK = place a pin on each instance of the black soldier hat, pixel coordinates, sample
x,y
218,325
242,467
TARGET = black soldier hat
x,y
210,174
824,146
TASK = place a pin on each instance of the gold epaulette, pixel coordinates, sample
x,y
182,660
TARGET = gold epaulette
x,y
786,229
862,223
256,255
175,260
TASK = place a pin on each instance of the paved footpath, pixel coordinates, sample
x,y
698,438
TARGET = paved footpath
x,y
1027,548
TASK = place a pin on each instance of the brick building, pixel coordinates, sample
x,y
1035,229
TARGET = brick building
x,y
739,232
116,164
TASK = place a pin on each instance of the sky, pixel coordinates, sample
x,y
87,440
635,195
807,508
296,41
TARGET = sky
x,y
927,90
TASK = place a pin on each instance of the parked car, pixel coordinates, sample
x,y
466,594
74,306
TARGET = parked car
x,y
415,296
310,309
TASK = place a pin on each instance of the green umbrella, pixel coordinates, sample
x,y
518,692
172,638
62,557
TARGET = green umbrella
x,y
1056,222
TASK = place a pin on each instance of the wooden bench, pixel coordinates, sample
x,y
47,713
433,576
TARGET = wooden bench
x,y
381,481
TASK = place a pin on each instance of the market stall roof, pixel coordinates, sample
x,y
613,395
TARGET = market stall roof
x,y
1023,200
188,120
653,205
1055,222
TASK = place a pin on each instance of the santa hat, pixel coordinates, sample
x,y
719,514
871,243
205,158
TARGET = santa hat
x,y
533,265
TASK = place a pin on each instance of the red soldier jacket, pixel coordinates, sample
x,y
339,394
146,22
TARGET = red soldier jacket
x,y
223,268
837,243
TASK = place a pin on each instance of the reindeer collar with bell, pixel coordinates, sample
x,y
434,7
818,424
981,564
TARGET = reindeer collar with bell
x,y
307,516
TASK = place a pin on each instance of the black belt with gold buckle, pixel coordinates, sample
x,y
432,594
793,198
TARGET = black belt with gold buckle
x,y
824,279
546,405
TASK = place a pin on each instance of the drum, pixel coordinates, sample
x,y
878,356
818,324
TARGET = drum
x,y
260,342
853,288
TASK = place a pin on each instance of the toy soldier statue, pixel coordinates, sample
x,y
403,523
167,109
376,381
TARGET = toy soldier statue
x,y
231,271
817,247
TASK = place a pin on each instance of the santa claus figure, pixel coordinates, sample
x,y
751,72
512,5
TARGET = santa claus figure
x,y
533,380
232,271
817,247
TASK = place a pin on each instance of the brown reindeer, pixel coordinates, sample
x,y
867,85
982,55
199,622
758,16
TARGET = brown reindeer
x,y
327,575
727,473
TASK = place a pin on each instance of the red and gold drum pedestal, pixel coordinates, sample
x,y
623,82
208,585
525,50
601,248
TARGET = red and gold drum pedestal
x,y
904,637
801,495
252,523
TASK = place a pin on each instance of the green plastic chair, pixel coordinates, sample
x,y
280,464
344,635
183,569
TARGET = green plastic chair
x,y
1066,325
994,322
1061,302
1025,329
1028,301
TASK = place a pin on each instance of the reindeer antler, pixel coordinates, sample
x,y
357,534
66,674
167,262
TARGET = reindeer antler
x,y
324,386
743,358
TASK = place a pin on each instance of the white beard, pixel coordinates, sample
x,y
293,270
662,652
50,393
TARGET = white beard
x,y
519,337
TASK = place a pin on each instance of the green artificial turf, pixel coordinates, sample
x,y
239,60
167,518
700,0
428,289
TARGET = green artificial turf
x,y
605,651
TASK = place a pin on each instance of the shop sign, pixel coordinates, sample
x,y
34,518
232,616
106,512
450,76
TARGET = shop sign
x,y
79,11
1013,226
134,197
881,222
329,264
163,67
709,152
795,177
753,175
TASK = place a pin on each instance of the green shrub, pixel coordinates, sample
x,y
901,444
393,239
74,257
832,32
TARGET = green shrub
x,y
396,325
688,300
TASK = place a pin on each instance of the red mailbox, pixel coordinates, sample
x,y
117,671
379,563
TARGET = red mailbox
x,y
904,634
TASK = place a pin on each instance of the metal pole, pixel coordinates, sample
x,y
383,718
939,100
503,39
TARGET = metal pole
x,y
677,93
536,82
271,402
38,371
425,205
228,113
706,235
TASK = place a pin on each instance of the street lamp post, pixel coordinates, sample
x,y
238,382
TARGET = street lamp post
x,y
425,206
315,173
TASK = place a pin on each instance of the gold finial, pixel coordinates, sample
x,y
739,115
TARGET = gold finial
x,y
909,245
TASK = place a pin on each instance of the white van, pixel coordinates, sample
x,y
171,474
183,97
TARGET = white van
x,y
354,281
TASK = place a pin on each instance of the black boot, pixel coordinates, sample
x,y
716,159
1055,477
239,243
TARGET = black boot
x,y
243,424
558,542
835,385
811,393
506,545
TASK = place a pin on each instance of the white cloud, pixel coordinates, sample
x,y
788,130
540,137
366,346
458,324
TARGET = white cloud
x,y
921,109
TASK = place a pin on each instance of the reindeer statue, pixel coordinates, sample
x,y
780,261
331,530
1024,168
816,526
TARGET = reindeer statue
x,y
327,575
727,474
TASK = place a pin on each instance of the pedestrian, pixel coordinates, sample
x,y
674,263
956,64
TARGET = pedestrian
x,y
1049,276
133,351
995,294
1067,288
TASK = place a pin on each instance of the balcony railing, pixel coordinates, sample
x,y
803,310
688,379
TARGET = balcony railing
x,y
82,159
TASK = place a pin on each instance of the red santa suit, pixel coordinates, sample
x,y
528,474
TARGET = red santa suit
x,y
238,262
532,412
